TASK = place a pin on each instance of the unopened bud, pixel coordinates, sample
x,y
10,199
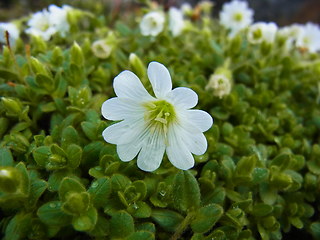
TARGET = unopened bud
x,y
137,65
9,179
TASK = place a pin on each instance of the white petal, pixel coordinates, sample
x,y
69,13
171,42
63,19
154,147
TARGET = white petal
x,y
119,109
151,154
128,85
178,153
184,97
199,119
123,132
160,79
127,152
196,143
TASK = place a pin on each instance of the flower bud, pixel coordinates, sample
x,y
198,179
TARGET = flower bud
x,y
76,203
76,54
137,65
13,107
9,179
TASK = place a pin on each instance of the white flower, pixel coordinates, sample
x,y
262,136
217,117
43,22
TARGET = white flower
x,y
220,84
262,32
40,25
309,37
289,34
236,16
176,22
152,24
101,49
12,29
58,18
151,126
186,8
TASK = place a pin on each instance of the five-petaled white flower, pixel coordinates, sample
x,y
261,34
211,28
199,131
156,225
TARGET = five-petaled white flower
x,y
176,22
39,25
152,24
46,23
236,16
150,126
309,37
12,29
59,18
262,32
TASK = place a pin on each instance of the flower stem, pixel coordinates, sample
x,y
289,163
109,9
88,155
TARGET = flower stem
x,y
182,227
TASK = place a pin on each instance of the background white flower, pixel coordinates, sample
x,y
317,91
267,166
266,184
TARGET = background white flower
x,y
12,30
236,16
309,37
151,126
58,18
220,84
289,34
40,25
176,22
152,24
101,48
262,32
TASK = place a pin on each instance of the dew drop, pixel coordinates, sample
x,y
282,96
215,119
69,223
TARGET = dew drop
x,y
94,185
162,193
52,205
135,206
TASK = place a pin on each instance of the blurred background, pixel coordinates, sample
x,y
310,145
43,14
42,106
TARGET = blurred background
x,y
283,12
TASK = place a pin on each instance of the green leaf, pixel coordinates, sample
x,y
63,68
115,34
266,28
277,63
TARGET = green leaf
x,y
41,155
101,228
186,191
206,218
70,185
139,210
36,190
167,219
74,154
261,210
25,180
56,178
146,226
45,82
18,227
6,159
51,214
119,182
100,191
90,130
69,136
86,222
141,235
315,229
121,225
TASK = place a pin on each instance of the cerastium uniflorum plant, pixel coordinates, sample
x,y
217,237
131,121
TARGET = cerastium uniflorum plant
x,y
158,124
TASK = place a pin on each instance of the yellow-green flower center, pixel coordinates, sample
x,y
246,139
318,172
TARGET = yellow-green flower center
x,y
238,17
257,34
159,115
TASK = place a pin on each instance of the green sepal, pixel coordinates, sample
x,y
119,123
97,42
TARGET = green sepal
x,y
206,217
186,191
70,185
86,222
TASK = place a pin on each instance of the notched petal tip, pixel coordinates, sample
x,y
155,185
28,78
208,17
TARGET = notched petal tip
x,y
160,79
